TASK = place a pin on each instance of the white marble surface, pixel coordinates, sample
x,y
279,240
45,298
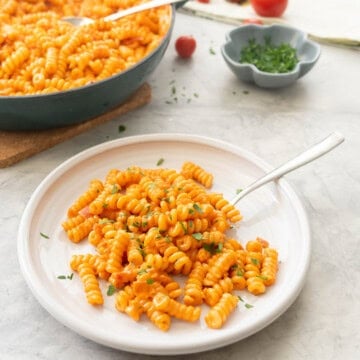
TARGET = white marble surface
x,y
323,323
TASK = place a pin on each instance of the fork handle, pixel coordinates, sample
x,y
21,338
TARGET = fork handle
x,y
138,8
305,157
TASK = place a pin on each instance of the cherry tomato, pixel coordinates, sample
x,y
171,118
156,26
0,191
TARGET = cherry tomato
x,y
204,1
269,8
185,46
253,21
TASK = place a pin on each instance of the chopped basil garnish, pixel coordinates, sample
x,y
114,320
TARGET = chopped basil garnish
x,y
111,290
197,236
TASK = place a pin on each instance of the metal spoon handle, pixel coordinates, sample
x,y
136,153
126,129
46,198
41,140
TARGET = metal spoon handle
x,y
307,156
138,8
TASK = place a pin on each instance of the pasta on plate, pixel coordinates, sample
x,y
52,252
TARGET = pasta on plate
x,y
41,54
148,227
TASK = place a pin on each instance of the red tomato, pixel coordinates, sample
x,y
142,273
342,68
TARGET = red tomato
x,y
204,1
253,21
269,8
185,46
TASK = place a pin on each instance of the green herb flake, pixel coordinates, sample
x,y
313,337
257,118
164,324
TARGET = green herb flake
x,y
121,128
198,208
196,95
197,236
238,191
114,189
255,261
240,298
268,57
150,281
246,92
142,252
249,306
106,221
160,162
66,277
44,236
213,248
136,224
111,290
168,102
142,271
234,267
239,273
183,227
173,90
212,51
262,277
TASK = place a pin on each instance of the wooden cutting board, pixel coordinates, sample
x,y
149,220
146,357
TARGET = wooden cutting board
x,y
18,145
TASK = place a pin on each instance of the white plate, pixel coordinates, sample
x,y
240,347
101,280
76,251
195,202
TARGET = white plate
x,y
273,212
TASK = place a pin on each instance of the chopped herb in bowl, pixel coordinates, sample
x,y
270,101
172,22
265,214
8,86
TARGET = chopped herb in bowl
x,y
268,57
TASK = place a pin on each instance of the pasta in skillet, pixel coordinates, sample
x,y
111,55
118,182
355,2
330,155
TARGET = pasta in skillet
x,y
41,54
147,227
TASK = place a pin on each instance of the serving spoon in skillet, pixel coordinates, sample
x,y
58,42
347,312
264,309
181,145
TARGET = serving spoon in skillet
x,y
305,157
81,20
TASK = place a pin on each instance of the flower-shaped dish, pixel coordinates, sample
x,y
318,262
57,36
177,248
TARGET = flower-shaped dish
x,y
307,51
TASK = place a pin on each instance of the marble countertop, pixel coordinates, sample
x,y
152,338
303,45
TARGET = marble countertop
x,y
323,323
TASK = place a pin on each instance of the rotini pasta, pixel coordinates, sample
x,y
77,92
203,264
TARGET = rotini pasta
x,y
40,54
153,229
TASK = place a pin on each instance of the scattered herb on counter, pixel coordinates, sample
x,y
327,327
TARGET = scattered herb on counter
x,y
246,92
269,57
111,290
212,51
121,128
238,191
196,95
44,236
173,90
160,162
249,306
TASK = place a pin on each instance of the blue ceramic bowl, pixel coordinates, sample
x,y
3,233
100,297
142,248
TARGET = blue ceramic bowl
x,y
308,53
59,109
